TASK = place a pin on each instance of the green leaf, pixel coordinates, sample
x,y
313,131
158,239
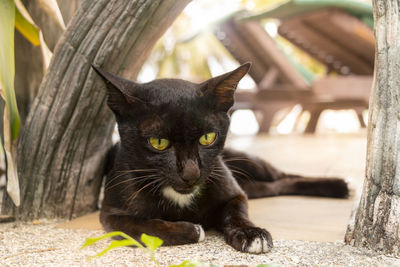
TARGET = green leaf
x,y
151,242
115,244
188,263
10,152
7,65
24,24
11,115
27,27
91,240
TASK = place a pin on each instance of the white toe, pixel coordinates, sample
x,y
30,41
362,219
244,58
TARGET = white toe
x,y
256,246
244,245
200,230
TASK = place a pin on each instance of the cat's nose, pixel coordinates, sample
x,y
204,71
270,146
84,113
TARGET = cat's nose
x,y
190,172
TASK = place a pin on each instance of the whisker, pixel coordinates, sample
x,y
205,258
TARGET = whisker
x,y
217,173
235,158
209,178
157,187
135,182
129,180
242,173
252,162
220,171
236,170
113,178
138,170
130,199
124,172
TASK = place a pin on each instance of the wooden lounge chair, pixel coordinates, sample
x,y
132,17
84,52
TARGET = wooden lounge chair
x,y
281,83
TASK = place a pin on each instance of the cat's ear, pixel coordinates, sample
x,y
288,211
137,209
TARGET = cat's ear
x,y
222,88
120,91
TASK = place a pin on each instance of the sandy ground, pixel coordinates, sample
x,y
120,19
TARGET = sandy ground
x,y
322,220
45,245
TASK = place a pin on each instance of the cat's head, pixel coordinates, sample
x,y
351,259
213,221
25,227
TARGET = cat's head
x,y
173,126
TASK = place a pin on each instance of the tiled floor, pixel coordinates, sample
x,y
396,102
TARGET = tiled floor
x,y
290,217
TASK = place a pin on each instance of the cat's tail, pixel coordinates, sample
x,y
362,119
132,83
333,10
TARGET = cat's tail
x,y
260,179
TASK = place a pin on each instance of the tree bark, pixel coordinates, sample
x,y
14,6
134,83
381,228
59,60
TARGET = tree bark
x,y
377,220
67,133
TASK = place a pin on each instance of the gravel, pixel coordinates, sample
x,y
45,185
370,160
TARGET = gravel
x,y
42,244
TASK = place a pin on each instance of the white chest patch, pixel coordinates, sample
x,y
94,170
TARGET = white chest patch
x,y
182,200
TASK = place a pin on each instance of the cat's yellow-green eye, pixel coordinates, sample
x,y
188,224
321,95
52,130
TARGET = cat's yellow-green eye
x,y
159,143
207,139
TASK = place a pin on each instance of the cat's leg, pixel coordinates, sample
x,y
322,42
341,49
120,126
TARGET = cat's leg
x,y
260,179
239,232
304,186
172,233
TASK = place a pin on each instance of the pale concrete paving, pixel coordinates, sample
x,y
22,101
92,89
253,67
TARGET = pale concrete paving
x,y
308,218
292,217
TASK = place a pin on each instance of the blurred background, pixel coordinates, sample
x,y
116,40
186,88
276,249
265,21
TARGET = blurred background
x,y
312,61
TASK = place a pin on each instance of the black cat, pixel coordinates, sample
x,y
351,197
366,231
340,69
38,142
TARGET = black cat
x,y
170,175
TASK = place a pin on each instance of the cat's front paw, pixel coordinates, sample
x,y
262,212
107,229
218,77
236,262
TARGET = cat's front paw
x,y
250,239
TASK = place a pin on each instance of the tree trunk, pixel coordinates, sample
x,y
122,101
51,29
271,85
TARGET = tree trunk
x,y
377,220
67,133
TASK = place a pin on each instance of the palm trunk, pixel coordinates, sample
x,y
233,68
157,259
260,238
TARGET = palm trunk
x,y
377,220
63,143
